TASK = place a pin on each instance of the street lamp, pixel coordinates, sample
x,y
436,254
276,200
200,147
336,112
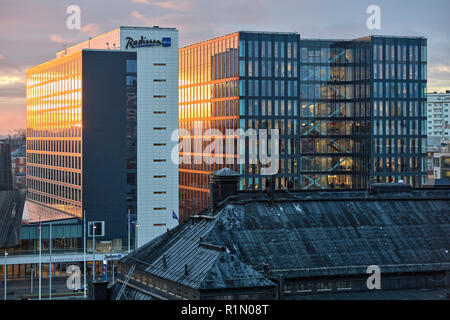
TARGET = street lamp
x,y
93,251
6,254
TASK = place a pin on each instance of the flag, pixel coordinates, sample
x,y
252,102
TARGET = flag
x,y
39,227
174,215
129,221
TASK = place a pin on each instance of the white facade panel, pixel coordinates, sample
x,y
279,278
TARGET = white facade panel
x,y
157,119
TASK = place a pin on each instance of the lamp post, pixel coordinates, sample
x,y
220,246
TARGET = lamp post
x,y
93,252
50,265
84,251
6,272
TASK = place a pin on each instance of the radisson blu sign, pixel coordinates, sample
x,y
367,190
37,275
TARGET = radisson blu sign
x,y
144,42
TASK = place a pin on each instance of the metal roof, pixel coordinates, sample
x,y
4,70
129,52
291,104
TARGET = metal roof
x,y
303,234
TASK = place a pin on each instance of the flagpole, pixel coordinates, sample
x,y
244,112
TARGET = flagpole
x,y
84,249
50,247
129,231
6,273
40,258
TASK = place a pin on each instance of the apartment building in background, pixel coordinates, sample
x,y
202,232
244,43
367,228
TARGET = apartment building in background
x,y
19,167
99,123
438,115
349,112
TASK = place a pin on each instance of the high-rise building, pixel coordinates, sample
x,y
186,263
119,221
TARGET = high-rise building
x,y
348,111
99,123
438,115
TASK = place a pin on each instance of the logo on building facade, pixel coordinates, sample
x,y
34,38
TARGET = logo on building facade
x,y
144,42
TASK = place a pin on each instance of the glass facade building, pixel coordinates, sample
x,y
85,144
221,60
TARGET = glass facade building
x,y
81,136
100,119
349,112
208,99
54,135
399,130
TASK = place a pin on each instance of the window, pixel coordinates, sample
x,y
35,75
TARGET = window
x,y
131,81
131,66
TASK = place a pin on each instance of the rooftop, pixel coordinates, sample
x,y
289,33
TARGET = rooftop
x,y
248,241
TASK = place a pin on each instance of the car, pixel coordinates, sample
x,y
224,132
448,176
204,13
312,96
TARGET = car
x,y
81,289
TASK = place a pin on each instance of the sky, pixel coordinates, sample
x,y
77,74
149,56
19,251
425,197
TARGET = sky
x,y
32,31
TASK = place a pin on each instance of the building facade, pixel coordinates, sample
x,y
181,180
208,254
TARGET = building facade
x,y
98,140
347,111
441,166
19,167
438,115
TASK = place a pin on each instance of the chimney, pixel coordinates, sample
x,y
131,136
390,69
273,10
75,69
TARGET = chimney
x,y
270,186
223,183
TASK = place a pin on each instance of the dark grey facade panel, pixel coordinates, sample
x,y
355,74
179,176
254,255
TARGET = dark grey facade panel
x,y
104,144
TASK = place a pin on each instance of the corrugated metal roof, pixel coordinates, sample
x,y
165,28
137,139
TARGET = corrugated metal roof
x,y
304,234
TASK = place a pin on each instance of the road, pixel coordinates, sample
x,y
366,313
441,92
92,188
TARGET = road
x,y
17,288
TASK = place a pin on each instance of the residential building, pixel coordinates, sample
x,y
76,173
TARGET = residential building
x,y
19,167
438,116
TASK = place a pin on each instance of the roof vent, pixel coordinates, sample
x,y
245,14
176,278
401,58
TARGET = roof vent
x,y
186,271
164,261
266,268
211,246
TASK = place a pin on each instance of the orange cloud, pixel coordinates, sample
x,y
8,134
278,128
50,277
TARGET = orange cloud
x,y
182,5
9,80
137,15
58,39
91,29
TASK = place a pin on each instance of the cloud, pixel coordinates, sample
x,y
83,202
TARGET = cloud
x,y
58,39
137,15
91,29
178,5
11,77
7,80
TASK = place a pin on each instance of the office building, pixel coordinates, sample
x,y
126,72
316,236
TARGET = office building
x,y
348,111
99,123
438,116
